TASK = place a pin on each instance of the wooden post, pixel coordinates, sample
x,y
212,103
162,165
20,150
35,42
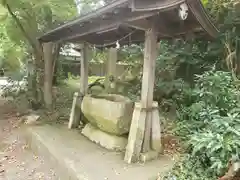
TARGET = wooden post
x,y
84,69
76,115
144,140
150,56
111,67
48,64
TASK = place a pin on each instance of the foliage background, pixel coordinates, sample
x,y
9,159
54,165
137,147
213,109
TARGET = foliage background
x,y
195,77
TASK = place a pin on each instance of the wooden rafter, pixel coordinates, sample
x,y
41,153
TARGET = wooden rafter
x,y
123,12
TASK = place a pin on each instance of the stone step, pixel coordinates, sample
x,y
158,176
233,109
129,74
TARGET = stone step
x,y
77,158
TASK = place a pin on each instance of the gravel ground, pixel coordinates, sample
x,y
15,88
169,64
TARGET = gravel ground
x,y
17,162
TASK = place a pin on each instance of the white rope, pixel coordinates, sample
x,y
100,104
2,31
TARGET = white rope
x,y
115,42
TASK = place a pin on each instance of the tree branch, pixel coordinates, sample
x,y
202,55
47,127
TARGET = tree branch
x,y
21,26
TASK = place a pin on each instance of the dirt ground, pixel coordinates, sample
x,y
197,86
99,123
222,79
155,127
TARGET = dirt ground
x,y
17,162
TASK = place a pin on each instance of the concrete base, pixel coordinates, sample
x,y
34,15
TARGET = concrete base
x,y
77,158
111,142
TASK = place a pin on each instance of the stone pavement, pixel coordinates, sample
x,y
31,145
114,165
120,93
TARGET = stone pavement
x,y
77,158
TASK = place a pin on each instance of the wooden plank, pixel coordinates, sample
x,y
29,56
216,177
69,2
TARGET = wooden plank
x,y
139,24
203,18
84,69
163,5
101,25
110,7
48,63
156,130
136,135
111,66
76,115
84,76
150,56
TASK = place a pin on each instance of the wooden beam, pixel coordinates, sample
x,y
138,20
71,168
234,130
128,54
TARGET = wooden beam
x,y
84,69
202,17
140,24
164,5
101,25
114,35
111,66
142,138
150,56
97,13
48,63
76,114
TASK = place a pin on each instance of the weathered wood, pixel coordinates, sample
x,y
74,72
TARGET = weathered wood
x,y
136,135
48,64
139,140
84,76
119,12
150,55
84,69
103,25
76,115
156,130
111,74
139,24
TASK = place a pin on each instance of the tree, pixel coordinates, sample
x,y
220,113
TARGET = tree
x,y
31,18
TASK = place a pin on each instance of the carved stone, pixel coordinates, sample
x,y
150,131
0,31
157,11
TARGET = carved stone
x,y
110,113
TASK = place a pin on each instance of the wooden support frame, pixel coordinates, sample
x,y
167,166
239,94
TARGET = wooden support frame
x,y
150,56
145,132
48,72
84,69
111,68
76,115
108,24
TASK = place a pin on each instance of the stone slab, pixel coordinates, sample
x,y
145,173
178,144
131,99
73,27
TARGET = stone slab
x,y
104,139
77,158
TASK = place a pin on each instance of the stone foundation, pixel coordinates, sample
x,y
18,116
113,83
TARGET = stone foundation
x,y
108,141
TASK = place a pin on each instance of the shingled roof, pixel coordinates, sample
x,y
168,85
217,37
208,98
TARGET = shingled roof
x,y
126,21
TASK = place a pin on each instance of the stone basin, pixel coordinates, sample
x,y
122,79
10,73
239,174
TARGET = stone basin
x,y
110,113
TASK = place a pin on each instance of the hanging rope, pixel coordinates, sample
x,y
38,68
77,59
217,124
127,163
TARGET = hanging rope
x,y
115,42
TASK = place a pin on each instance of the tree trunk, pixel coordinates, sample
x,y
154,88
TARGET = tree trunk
x,y
34,80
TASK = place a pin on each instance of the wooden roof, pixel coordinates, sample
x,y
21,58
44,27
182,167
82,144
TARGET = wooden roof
x,y
126,21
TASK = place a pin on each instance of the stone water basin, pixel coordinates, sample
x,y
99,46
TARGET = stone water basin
x,y
110,113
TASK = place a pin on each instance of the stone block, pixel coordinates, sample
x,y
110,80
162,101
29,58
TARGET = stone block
x,y
110,113
108,141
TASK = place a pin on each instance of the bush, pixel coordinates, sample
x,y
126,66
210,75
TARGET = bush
x,y
189,168
211,123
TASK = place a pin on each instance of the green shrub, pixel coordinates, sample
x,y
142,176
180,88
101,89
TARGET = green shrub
x,y
189,168
211,123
